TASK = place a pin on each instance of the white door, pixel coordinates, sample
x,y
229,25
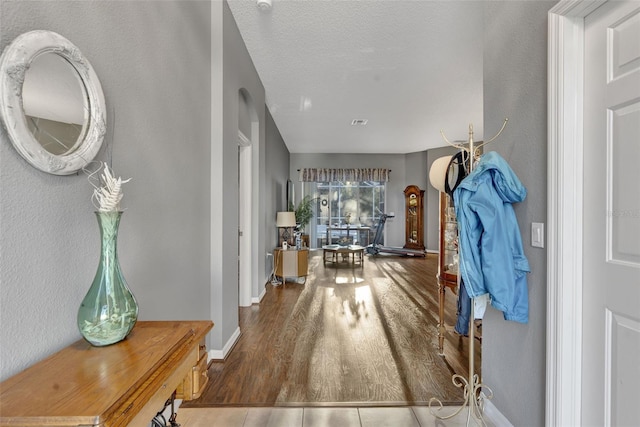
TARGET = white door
x,y
611,233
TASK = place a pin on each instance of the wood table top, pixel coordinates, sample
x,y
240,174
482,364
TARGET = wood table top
x,y
339,248
87,385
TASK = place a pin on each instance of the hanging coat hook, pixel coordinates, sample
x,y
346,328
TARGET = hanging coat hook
x,y
504,124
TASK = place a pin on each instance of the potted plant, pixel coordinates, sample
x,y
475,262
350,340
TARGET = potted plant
x,y
304,214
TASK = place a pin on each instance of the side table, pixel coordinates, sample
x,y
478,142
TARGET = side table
x,y
291,263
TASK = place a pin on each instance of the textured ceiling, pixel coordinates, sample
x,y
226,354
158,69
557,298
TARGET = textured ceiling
x,y
411,68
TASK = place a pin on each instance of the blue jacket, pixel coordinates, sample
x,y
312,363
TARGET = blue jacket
x,y
492,259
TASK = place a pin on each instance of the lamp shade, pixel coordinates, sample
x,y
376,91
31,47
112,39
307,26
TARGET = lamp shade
x,y
286,219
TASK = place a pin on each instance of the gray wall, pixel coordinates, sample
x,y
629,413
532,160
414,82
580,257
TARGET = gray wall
x,y
153,60
515,86
277,171
174,141
233,71
172,73
415,169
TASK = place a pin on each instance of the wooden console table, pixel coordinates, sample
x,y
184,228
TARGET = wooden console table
x,y
122,384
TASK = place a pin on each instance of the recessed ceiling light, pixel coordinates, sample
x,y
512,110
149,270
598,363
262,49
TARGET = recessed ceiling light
x,y
359,122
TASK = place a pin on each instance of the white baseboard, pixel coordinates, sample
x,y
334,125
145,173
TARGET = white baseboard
x,y
221,354
492,414
256,300
431,251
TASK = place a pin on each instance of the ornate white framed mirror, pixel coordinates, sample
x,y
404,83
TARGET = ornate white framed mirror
x,y
51,102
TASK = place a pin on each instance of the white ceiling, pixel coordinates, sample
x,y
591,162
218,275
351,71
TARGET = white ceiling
x,y
411,68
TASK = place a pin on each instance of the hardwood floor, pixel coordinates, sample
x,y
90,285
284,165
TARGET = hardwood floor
x,y
363,335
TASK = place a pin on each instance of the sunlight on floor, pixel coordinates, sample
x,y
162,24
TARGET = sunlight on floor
x,y
341,280
397,267
363,294
369,340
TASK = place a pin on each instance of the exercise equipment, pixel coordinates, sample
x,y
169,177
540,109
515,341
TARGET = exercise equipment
x,y
376,248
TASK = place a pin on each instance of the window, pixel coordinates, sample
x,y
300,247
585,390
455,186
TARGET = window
x,y
346,212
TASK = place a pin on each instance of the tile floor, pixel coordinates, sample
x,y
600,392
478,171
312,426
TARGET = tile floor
x,y
417,416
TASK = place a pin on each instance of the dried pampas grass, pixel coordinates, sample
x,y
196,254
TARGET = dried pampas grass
x,y
107,192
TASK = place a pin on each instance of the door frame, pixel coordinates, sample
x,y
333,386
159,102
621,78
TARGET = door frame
x,y
564,210
245,192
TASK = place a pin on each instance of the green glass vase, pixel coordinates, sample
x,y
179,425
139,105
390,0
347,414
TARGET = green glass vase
x,y
109,310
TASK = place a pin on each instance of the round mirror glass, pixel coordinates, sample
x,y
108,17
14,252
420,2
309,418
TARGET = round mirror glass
x,y
55,104
51,102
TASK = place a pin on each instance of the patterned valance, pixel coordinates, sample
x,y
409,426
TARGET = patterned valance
x,y
331,175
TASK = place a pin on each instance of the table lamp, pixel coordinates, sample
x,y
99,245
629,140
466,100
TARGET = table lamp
x,y
286,220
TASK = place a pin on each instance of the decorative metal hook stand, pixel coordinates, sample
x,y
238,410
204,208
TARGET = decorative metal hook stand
x,y
474,390
474,395
473,150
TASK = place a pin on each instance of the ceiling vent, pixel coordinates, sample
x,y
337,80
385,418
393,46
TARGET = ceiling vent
x,y
264,5
359,122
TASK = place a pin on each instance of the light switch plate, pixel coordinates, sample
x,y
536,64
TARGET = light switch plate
x,y
537,234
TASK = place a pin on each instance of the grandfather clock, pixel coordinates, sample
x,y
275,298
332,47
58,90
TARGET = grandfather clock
x,y
414,214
